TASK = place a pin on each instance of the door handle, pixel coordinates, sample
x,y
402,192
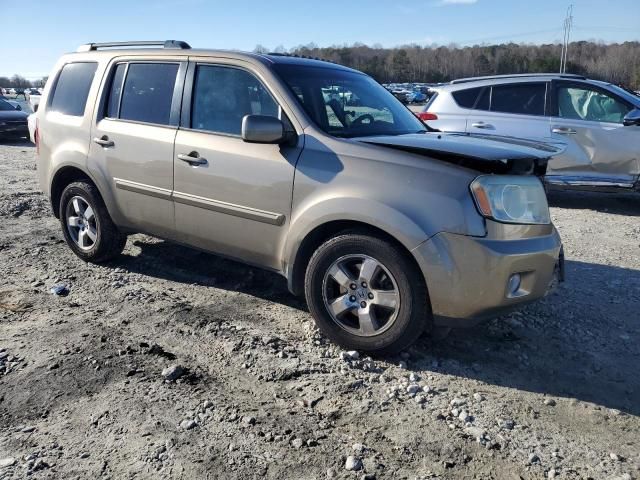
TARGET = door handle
x,y
104,141
563,130
192,158
485,126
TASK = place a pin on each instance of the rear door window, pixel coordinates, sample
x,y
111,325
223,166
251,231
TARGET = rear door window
x,y
72,88
519,98
147,92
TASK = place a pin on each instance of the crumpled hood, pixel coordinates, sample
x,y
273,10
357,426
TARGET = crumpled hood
x,y
490,153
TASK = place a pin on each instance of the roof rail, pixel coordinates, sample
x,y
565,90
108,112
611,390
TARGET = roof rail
x,y
518,75
295,55
88,47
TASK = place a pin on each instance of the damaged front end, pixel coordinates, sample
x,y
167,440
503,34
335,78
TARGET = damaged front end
x,y
482,153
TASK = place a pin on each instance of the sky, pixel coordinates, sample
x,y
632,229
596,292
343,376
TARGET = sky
x,y
35,34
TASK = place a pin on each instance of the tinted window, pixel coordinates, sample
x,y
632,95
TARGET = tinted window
x,y
591,105
484,101
148,92
113,103
72,88
467,98
524,99
223,96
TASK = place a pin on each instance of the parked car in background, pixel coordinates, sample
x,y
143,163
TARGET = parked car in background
x,y
15,104
600,123
385,228
13,122
33,97
416,97
401,94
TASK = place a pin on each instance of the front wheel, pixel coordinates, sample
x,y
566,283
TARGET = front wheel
x,y
365,294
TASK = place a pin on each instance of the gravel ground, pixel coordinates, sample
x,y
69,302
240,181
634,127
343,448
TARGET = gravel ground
x,y
171,363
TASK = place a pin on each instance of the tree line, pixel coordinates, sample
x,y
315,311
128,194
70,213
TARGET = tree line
x,y
18,81
618,63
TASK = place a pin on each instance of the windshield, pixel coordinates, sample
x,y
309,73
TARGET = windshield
x,y
348,104
4,106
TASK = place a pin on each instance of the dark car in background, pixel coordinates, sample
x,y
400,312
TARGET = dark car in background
x,y
13,122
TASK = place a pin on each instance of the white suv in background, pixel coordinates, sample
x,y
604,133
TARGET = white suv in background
x,y
600,122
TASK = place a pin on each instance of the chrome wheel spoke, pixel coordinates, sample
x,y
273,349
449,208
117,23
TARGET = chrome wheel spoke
x,y
385,298
367,321
341,305
82,238
339,275
368,269
92,234
88,213
77,207
73,222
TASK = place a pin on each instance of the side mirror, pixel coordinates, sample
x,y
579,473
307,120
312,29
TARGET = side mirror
x,y
18,107
262,129
632,118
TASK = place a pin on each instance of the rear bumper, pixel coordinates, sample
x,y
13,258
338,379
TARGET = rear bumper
x,y
468,277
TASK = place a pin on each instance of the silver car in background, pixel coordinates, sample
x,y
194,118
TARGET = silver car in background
x,y
599,122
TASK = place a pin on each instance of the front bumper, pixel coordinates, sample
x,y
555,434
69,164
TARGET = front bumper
x,y
468,277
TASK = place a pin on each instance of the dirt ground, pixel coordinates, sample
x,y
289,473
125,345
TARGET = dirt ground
x,y
552,391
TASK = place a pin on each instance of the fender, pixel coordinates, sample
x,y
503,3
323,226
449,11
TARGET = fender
x,y
75,160
370,212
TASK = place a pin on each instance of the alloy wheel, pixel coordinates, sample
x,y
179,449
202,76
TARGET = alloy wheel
x,y
81,223
361,295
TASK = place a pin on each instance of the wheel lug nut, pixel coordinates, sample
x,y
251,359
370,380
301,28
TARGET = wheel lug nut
x,y
352,298
363,304
364,284
353,286
371,295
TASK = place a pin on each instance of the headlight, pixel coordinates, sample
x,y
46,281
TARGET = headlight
x,y
511,198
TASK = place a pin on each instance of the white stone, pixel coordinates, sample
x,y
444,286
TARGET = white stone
x,y
413,388
7,462
353,464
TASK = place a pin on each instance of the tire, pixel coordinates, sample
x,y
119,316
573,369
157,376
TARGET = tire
x,y
398,310
101,240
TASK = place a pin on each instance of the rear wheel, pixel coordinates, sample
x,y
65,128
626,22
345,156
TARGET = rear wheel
x,y
365,294
86,224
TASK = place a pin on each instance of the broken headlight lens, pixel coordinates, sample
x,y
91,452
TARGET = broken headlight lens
x,y
511,198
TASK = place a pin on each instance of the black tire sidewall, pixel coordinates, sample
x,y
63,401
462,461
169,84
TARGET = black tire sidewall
x,y
413,315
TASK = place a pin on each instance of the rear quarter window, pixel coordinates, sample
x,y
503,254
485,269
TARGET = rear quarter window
x,y
72,88
466,98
